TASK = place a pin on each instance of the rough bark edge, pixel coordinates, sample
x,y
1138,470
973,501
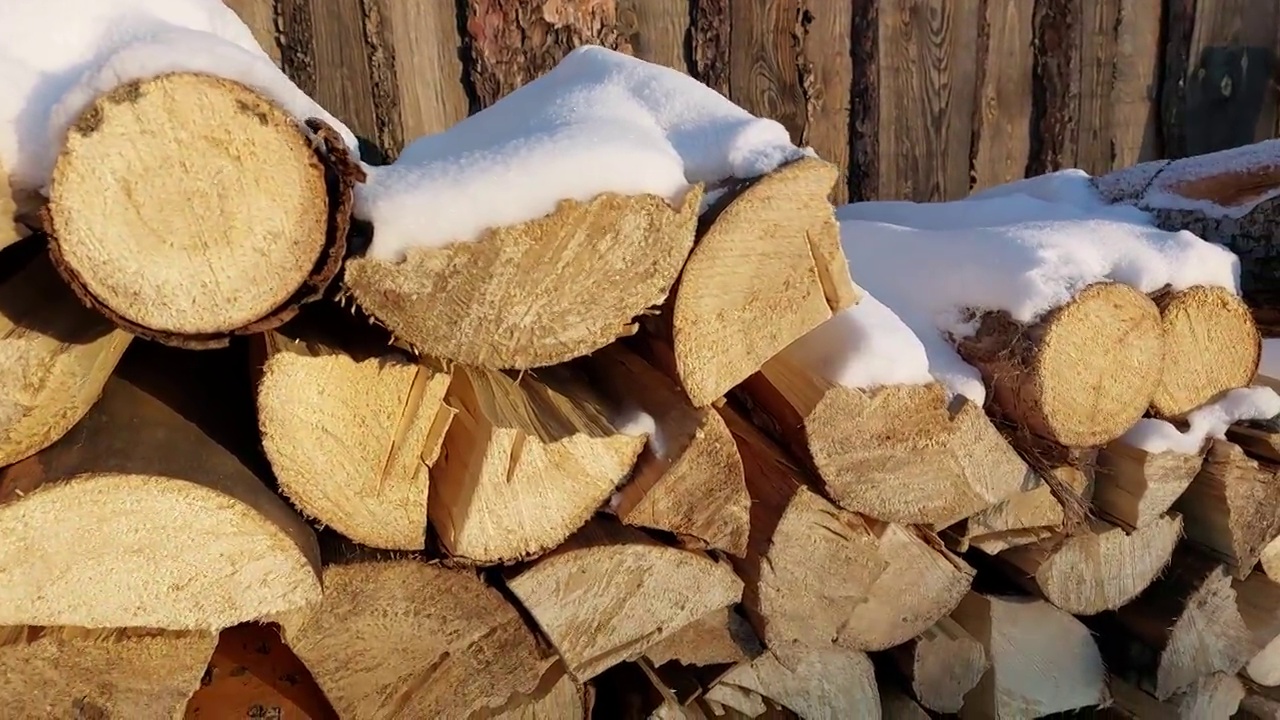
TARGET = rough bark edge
x,y
864,108
1178,26
982,56
709,47
342,171
1055,85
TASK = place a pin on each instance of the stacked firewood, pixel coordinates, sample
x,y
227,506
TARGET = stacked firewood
x,y
574,466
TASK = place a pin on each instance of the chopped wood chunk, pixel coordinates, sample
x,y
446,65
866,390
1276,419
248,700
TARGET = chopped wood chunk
x,y
1134,487
941,665
1232,507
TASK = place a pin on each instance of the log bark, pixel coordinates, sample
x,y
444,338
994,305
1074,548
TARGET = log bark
x,y
252,672
823,681
146,252
1043,376
607,570
525,463
1211,345
1042,660
1134,488
921,583
809,564
688,480
57,355
351,433
1258,599
1099,568
398,637
1184,626
139,517
903,454
1230,197
1232,508
63,672
941,665
536,293
783,221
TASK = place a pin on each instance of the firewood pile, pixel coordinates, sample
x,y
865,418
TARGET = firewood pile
x,y
279,432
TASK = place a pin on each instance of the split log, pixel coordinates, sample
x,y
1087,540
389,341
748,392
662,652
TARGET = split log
x,y
1216,695
1099,568
1042,660
1029,516
816,682
57,355
1041,376
253,672
398,637
647,591
897,705
688,480
1211,345
525,463
901,453
1258,599
138,517
557,697
351,434
1228,197
171,257
77,673
1232,507
1184,626
783,221
517,297
941,665
809,564
722,636
921,583
1134,488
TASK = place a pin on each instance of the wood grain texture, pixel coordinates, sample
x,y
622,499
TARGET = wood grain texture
x,y
710,31
1219,63
512,42
324,51
1099,20
657,30
826,82
427,67
928,70
764,74
1002,119
864,106
1135,117
1055,88
260,16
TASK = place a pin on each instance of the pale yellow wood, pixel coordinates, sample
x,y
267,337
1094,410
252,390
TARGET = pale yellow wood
x,y
428,68
815,682
722,636
1232,507
941,665
1028,516
1211,343
1134,487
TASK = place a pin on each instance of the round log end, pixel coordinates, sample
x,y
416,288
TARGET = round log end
x,y
116,550
537,293
1212,345
1096,367
187,204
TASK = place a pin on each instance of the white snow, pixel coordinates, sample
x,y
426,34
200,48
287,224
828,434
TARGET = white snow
x,y
1208,421
1025,248
863,347
1270,365
634,421
56,56
1262,157
600,121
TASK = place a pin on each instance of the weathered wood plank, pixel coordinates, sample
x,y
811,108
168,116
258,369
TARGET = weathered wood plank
x,y
656,30
1097,37
1002,120
323,49
260,16
1135,116
826,81
1219,63
427,69
864,106
1055,88
928,69
514,41
763,73
710,33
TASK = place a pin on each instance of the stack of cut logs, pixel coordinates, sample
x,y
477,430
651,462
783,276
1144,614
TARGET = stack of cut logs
x,y
569,469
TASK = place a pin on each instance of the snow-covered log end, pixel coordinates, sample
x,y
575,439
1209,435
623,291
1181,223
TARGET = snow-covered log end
x,y
233,210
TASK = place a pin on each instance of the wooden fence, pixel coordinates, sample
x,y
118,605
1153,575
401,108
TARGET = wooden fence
x,y
914,99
